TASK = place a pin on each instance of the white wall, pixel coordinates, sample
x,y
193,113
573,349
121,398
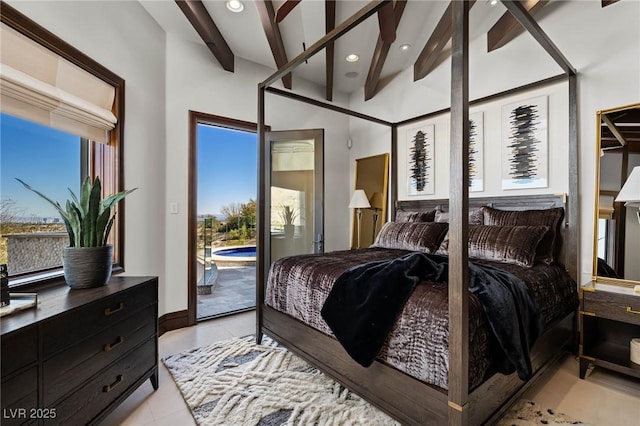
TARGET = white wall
x,y
196,82
601,43
125,39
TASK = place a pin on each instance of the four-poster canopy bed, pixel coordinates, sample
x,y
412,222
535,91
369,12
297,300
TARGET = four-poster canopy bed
x,y
404,397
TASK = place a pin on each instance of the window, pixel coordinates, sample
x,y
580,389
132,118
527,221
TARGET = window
x,y
61,120
31,232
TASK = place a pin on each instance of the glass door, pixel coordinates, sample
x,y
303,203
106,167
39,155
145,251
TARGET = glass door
x,y
295,194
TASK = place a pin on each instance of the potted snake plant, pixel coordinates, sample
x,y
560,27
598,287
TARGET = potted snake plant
x,y
288,215
88,260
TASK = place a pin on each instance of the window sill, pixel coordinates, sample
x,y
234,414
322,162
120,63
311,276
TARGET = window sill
x,y
39,281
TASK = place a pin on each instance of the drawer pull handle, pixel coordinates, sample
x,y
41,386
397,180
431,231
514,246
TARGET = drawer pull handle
x,y
113,345
110,311
631,311
110,387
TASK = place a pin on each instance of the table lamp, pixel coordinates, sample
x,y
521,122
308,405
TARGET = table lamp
x,y
359,201
376,206
630,192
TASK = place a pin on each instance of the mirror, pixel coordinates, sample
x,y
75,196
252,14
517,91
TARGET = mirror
x,y
617,218
372,176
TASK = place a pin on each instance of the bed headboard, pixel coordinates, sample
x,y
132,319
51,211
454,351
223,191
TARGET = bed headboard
x,y
514,202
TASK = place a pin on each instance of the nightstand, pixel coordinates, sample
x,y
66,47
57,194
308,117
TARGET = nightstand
x,y
610,318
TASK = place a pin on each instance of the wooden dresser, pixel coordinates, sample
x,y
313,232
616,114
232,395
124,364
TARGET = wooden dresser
x,y
80,353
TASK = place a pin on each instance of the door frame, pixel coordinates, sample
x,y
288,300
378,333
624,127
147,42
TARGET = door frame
x,y
195,118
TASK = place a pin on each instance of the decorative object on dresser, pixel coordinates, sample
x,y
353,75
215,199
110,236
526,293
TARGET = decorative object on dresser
x,y
80,354
4,286
87,262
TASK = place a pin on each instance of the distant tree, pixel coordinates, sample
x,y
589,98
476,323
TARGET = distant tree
x,y
231,210
9,214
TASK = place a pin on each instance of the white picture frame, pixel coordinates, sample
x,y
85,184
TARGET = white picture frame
x,y
420,154
525,160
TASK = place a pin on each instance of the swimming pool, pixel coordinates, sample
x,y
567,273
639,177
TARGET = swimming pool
x,y
234,256
237,252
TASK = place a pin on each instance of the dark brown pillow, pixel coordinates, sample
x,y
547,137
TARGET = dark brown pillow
x,y
417,236
476,217
549,247
507,244
420,216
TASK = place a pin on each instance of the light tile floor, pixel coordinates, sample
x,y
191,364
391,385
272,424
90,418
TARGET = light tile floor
x,y
604,398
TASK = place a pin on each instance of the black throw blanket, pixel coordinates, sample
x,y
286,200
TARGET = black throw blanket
x,y
366,300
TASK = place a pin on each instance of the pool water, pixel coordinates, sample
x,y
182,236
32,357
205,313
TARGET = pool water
x,y
237,252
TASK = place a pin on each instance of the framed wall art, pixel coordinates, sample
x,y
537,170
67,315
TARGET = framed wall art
x,y
420,165
525,144
476,152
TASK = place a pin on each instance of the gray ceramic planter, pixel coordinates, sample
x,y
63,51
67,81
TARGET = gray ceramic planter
x,y
87,267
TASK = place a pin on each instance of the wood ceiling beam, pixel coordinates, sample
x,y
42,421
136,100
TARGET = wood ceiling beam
x,y
386,22
524,18
507,28
441,35
341,29
202,22
380,54
284,9
272,31
330,24
606,3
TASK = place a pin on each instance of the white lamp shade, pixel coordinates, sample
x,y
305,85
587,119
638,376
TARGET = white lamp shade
x,y
630,192
359,200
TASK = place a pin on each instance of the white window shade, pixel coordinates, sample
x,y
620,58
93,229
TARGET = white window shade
x,y
38,85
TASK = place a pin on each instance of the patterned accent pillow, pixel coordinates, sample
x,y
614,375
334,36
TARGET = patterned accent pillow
x,y
507,244
417,236
476,216
419,216
549,247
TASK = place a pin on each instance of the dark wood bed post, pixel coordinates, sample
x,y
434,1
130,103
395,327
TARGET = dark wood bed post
x,y
262,231
458,394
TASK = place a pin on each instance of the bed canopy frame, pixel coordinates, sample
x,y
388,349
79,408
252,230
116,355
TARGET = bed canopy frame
x,y
401,396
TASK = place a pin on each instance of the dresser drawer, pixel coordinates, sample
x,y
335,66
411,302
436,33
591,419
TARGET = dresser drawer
x,y
69,368
19,349
103,389
614,306
73,327
20,398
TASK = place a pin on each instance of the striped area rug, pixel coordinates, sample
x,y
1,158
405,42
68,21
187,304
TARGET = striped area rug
x,y
237,382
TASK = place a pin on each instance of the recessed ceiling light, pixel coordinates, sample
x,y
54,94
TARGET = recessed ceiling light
x,y
405,47
493,2
235,6
352,57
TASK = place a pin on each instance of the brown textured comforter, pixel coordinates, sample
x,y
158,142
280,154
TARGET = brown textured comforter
x,y
418,342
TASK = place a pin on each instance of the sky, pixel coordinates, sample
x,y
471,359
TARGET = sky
x,y
48,160
45,158
227,168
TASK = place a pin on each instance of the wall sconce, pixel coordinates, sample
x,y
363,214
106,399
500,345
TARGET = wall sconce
x,y
359,201
630,192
